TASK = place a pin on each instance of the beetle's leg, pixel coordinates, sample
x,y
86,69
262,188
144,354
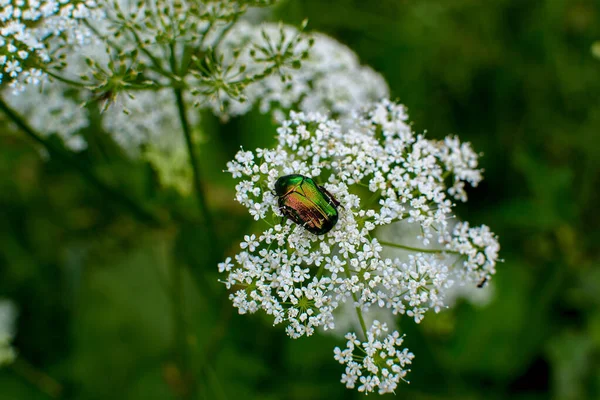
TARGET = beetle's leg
x,y
288,212
283,214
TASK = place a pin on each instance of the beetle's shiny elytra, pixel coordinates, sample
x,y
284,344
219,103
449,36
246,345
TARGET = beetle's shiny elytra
x,y
306,203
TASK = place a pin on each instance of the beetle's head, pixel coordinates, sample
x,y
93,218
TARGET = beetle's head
x,y
281,186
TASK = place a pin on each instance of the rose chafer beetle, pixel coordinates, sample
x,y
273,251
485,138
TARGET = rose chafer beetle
x,y
306,203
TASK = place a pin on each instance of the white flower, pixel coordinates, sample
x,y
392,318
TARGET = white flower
x,y
376,364
32,33
382,174
457,282
461,160
480,246
8,314
329,79
50,110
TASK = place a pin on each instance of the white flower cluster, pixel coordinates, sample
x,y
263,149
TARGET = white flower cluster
x,y
140,114
8,315
465,283
50,109
461,160
480,248
26,27
376,364
330,79
381,173
197,23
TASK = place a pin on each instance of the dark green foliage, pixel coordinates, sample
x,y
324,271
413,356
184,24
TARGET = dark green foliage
x,y
514,77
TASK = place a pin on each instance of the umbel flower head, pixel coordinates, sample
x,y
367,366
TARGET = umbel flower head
x,y
275,67
28,26
381,173
329,78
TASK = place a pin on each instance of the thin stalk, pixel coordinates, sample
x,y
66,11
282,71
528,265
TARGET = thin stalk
x,y
44,382
102,37
197,177
359,313
187,132
218,390
180,329
175,79
220,329
416,249
321,271
65,80
223,33
68,159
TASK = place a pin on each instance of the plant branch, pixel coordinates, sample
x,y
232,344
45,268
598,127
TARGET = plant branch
x,y
68,159
45,383
416,249
197,177
180,327
65,80
359,313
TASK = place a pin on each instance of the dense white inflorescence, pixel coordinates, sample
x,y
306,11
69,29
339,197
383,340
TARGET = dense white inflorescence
x,y
381,173
410,235
52,108
330,78
145,122
8,314
144,65
377,363
27,27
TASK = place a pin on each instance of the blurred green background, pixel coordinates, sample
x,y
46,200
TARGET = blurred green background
x,y
93,280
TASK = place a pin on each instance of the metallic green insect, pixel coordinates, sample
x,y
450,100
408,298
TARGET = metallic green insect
x,y
306,203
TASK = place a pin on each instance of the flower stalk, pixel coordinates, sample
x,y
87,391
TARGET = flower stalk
x,y
417,249
117,196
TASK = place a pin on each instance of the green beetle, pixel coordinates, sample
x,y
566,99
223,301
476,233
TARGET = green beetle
x,y
306,203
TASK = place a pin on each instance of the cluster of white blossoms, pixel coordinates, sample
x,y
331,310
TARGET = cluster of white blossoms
x,y
320,74
27,27
381,173
52,108
8,315
330,78
374,364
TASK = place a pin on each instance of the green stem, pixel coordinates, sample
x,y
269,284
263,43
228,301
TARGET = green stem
x,y
68,159
197,177
360,317
45,383
224,33
179,329
321,270
175,79
65,80
102,37
359,313
416,249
